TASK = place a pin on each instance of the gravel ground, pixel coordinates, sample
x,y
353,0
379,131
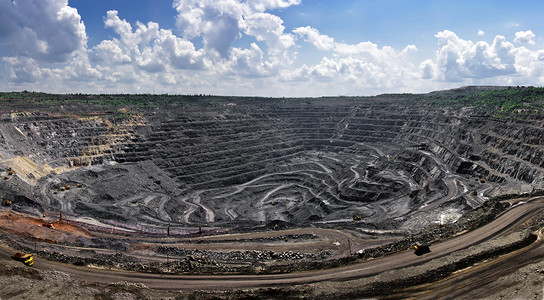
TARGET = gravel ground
x,y
20,282
32,284
526,283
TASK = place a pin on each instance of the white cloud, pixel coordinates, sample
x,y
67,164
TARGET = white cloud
x,y
145,57
47,30
363,65
269,28
37,33
426,69
146,52
525,37
249,62
218,22
111,53
320,41
45,46
80,69
263,5
498,63
457,59
147,48
530,66
22,69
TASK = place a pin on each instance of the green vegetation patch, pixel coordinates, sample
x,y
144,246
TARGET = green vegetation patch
x,y
511,102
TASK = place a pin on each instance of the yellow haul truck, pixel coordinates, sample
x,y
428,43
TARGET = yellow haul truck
x,y
421,248
26,259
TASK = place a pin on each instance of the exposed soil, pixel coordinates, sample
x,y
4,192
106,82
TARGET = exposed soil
x,y
233,185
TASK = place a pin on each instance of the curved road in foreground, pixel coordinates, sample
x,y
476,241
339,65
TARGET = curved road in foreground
x,y
509,219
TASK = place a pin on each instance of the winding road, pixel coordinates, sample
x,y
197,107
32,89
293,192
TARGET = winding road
x,y
501,225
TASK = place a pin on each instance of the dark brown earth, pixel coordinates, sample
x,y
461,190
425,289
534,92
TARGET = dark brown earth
x,y
234,185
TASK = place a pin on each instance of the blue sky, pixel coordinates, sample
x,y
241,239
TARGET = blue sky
x,y
268,47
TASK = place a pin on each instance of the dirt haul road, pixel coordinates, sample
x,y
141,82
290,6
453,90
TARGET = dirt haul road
x,y
501,225
474,283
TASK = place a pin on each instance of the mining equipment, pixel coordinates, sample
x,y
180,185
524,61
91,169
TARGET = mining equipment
x,y
421,248
47,224
67,187
6,202
26,259
80,185
10,171
357,218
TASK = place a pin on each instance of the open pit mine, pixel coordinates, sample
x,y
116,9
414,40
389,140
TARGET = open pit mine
x,y
396,195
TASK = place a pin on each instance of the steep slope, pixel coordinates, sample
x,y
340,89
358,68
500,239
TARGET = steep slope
x,y
396,162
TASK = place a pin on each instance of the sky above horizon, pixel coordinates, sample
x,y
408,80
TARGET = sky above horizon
x,y
268,47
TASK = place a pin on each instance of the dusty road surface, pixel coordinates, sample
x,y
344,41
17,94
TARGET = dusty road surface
x,y
501,225
474,283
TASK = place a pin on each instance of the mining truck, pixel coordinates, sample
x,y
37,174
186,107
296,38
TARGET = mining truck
x,y
421,248
26,259
47,224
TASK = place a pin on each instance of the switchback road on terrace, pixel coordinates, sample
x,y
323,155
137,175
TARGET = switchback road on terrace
x,y
501,225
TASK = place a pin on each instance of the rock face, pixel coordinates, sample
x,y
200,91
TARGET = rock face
x,y
386,162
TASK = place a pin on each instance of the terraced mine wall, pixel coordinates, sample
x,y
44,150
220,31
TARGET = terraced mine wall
x,y
390,162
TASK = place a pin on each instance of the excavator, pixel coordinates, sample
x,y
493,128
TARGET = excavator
x,y
6,202
26,259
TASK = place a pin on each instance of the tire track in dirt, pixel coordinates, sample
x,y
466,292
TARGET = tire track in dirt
x,y
500,225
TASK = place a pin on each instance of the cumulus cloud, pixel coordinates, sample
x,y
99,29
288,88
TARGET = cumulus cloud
x,y
269,28
37,33
81,69
457,59
143,52
530,67
47,30
248,62
426,69
147,47
364,64
22,69
220,23
320,41
262,5
45,44
498,63
525,37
